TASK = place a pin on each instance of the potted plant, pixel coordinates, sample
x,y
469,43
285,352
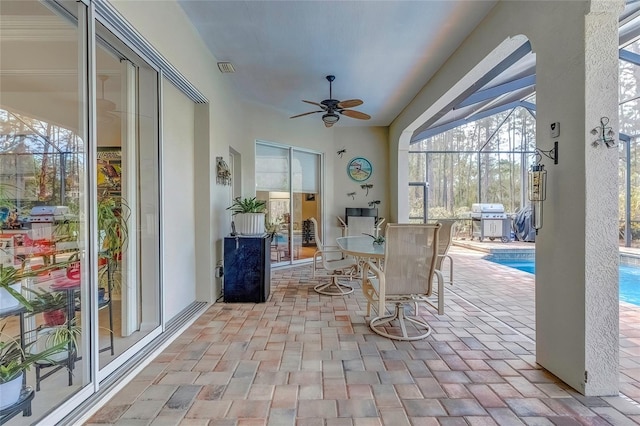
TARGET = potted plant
x,y
14,361
113,219
52,304
249,215
10,288
48,337
379,240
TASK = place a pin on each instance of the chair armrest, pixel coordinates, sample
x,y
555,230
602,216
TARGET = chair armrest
x,y
446,256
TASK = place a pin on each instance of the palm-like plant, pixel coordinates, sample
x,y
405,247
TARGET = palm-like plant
x,y
113,218
247,205
14,360
10,275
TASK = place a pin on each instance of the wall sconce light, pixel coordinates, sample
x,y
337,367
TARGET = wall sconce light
x,y
605,134
367,186
223,174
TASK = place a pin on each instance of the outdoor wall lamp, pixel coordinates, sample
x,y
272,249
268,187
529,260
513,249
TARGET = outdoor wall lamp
x,y
605,134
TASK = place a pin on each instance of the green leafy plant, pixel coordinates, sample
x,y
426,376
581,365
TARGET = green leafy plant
x,y
51,304
14,360
10,275
64,334
113,219
43,300
247,205
376,240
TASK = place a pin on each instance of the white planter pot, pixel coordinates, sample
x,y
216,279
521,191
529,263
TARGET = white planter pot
x,y
10,392
7,301
249,223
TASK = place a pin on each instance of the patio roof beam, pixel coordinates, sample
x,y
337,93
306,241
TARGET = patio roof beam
x,y
628,56
505,64
495,92
448,126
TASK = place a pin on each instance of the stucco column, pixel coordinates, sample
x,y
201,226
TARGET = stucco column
x,y
577,250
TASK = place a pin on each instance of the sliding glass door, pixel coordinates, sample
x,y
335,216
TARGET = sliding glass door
x,y
288,179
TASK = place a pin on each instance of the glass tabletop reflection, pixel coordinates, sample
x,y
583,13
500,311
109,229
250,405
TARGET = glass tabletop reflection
x,y
360,246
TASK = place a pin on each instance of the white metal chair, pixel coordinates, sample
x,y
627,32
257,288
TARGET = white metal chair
x,y
337,268
411,253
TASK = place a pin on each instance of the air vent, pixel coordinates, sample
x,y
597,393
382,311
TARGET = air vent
x,y
226,67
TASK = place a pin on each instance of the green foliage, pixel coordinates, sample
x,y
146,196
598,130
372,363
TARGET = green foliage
x,y
376,240
9,275
65,334
113,218
43,300
14,360
247,205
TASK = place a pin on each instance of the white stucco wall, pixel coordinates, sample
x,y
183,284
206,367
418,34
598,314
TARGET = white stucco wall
x,y
372,144
575,261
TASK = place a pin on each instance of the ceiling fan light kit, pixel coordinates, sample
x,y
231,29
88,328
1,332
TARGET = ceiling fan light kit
x,y
332,107
330,119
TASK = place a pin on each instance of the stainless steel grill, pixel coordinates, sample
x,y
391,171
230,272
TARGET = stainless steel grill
x,y
49,214
489,220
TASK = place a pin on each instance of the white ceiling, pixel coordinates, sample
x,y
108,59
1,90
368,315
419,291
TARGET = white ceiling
x,y
382,52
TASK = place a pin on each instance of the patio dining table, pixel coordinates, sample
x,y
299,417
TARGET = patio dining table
x,y
361,247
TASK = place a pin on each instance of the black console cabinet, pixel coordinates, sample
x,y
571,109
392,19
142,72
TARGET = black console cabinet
x,y
247,269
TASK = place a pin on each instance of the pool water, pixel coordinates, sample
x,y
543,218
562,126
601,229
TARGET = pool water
x,y
629,278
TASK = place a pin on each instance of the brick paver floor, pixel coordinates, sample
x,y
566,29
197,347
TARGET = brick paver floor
x,y
309,360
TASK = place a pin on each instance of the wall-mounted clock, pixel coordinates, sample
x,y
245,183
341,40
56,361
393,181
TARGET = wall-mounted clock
x,y
359,169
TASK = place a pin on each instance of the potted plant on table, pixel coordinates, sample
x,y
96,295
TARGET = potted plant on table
x,y
14,362
10,288
249,215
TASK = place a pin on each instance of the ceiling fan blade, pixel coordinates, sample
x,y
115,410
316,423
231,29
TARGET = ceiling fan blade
x,y
306,113
355,114
350,103
316,104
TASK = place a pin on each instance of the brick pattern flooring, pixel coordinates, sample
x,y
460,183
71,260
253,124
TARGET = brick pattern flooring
x,y
310,360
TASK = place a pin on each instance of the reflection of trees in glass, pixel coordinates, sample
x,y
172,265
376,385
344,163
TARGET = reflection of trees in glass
x,y
486,154
39,159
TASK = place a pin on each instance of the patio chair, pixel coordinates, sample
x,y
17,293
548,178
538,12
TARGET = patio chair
x,y
337,268
411,252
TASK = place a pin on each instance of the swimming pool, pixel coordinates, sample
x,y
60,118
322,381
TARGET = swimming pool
x,y
629,277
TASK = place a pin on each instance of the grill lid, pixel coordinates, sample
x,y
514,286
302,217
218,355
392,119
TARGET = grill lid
x,y
487,208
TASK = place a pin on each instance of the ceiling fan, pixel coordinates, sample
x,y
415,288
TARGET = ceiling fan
x,y
332,107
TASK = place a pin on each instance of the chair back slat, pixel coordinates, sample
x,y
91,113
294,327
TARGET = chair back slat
x,y
410,256
359,225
